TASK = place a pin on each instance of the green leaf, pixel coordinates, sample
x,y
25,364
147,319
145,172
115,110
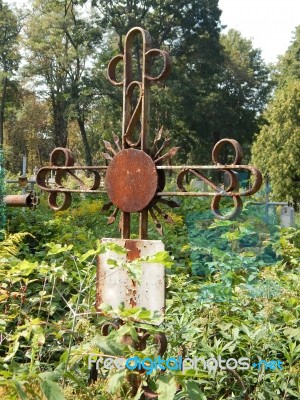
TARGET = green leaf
x,y
57,248
52,390
134,270
161,257
19,389
74,378
292,393
50,375
88,254
166,388
108,345
192,373
25,268
12,351
115,382
127,329
64,357
116,248
194,391
112,262
292,333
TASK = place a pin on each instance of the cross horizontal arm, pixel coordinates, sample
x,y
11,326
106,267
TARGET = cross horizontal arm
x,y
206,167
197,194
43,176
226,192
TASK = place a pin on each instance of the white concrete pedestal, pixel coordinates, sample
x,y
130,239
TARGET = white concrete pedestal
x,y
114,285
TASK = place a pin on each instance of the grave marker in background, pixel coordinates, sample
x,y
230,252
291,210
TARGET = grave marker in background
x,y
287,216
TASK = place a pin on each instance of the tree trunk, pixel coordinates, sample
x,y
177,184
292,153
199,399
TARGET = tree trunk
x,y
60,123
2,109
80,118
86,146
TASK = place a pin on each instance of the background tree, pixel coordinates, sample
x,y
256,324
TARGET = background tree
x,y
288,66
2,194
61,43
9,57
29,131
277,147
244,88
218,86
189,30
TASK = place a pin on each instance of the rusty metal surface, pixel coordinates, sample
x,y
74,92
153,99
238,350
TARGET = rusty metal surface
x,y
135,177
30,200
139,116
62,163
133,250
131,180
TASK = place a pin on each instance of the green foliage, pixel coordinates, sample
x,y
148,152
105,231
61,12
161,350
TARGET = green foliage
x,y
48,325
2,194
9,246
9,58
68,46
27,135
288,246
289,63
231,252
277,150
245,88
60,44
166,387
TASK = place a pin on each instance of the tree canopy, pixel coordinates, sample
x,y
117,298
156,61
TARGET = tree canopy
x,y
9,57
218,87
244,87
277,147
61,42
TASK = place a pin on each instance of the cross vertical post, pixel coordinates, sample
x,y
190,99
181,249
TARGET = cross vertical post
x,y
139,117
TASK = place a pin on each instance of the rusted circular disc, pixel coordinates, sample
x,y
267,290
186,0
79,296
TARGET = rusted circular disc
x,y
131,180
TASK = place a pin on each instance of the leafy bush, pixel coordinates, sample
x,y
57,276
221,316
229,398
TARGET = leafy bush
x,y
2,192
48,324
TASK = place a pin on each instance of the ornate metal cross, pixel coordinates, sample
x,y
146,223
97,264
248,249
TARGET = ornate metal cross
x,y
135,177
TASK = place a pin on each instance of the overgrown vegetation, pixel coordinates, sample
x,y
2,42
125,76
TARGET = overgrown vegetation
x,y
232,286
49,326
2,192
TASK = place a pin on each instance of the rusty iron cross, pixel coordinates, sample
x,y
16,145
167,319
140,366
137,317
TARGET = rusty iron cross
x,y
135,176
